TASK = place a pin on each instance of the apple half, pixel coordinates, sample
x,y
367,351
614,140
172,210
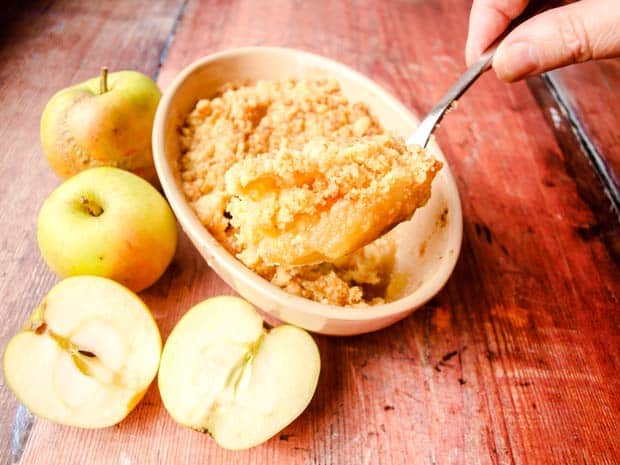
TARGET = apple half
x,y
222,373
87,354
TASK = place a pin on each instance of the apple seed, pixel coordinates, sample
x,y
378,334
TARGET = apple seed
x,y
40,329
86,353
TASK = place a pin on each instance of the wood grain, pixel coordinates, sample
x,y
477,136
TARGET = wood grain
x,y
44,47
514,362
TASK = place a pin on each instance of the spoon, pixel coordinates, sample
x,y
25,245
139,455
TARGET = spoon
x,y
423,133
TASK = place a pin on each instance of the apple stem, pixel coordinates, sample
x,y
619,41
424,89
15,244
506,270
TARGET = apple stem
x,y
103,83
92,208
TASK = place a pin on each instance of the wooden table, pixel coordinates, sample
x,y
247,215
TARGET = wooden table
x,y
515,361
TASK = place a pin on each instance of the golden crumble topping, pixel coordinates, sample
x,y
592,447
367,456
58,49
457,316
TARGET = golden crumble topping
x,y
294,153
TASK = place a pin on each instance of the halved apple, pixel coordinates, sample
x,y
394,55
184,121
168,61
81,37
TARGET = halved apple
x,y
222,373
86,355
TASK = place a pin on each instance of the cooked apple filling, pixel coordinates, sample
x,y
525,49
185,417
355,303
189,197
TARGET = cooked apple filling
x,y
327,200
298,182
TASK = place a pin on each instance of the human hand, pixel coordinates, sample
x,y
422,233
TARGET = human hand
x,y
581,31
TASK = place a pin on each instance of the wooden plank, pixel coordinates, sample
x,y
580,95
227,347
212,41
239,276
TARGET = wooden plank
x,y
590,91
46,46
514,362
596,189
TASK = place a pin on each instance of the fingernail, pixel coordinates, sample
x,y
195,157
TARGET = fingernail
x,y
473,50
515,61
469,54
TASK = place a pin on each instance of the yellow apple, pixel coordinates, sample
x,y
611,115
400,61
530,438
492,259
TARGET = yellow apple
x,y
87,354
108,222
105,121
222,373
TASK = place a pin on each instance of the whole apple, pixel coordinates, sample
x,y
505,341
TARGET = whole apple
x,y
84,361
105,121
108,222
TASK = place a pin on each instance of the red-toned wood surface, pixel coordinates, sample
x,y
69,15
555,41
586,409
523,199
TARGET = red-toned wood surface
x,y
44,47
515,361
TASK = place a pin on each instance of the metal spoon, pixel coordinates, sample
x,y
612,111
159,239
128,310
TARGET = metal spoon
x,y
423,133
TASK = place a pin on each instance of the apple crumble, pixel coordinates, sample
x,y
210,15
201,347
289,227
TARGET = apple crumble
x,y
296,181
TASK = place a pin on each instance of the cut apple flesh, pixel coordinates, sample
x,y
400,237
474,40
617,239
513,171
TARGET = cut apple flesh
x,y
221,372
86,356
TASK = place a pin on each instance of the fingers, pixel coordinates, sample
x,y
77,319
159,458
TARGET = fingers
x,y
487,20
588,29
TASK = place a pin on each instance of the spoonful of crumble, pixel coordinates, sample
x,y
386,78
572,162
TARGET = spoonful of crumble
x,y
332,197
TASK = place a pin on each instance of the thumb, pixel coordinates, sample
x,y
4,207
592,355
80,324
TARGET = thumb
x,y
581,31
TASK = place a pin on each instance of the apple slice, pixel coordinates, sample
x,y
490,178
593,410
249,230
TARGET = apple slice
x,y
87,354
222,373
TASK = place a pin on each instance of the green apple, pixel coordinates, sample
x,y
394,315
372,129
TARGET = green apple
x,y
108,222
87,354
222,373
105,121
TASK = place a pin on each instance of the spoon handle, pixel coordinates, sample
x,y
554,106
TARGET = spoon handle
x,y
423,133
